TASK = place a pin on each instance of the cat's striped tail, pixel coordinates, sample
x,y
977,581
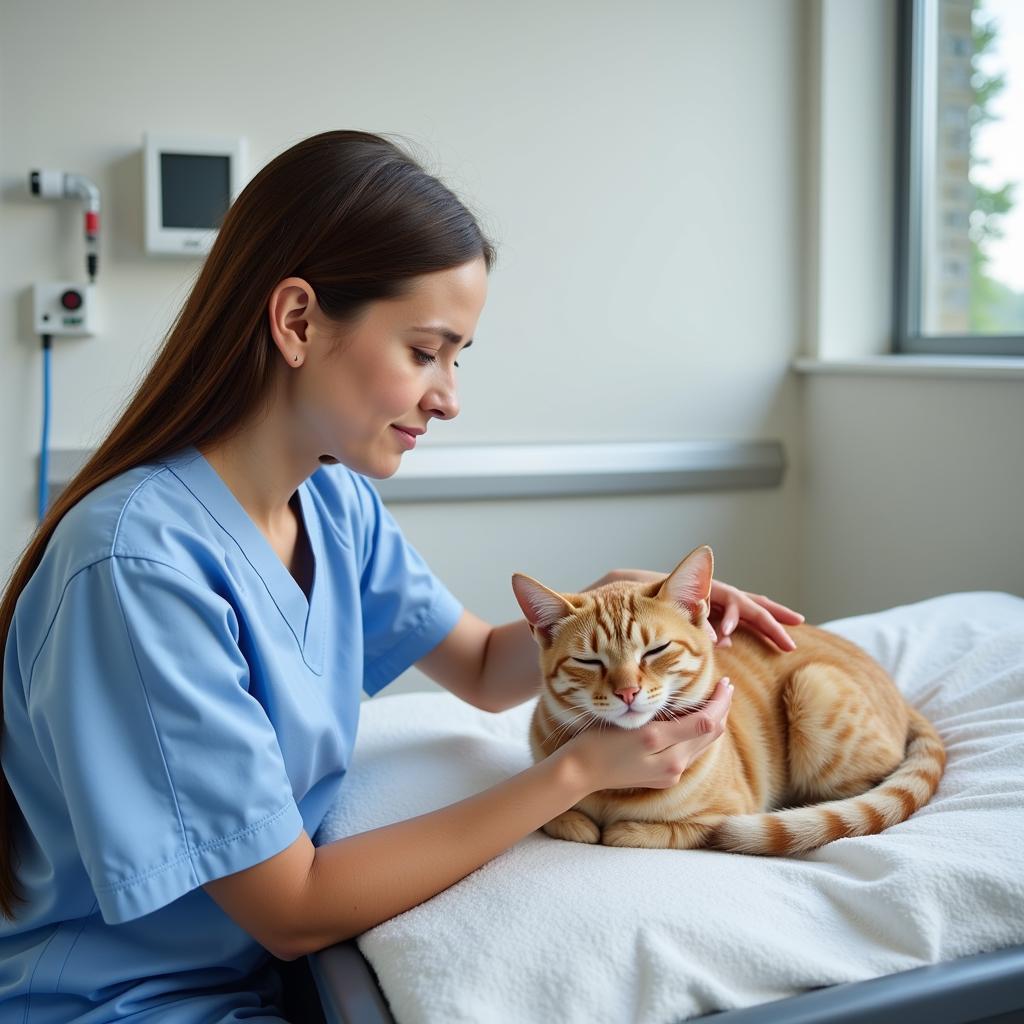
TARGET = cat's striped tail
x,y
799,829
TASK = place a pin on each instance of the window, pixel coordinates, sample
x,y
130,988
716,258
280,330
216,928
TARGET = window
x,y
960,190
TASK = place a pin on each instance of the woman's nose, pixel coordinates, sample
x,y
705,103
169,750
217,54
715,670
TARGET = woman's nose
x,y
442,402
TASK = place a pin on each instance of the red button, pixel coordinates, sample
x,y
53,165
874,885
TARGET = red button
x,y
71,300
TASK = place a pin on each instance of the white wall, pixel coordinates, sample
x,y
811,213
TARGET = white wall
x,y
914,488
850,130
638,165
685,197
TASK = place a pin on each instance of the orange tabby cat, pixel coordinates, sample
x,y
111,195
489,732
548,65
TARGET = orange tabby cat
x,y
821,723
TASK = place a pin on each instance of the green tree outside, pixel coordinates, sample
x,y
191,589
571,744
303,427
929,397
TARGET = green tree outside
x,y
995,308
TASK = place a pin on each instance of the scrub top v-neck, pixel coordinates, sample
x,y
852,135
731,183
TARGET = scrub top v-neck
x,y
176,710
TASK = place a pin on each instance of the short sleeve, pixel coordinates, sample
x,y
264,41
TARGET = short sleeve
x,y
170,768
407,611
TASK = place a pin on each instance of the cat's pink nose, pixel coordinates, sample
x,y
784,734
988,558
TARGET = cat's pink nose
x,y
628,694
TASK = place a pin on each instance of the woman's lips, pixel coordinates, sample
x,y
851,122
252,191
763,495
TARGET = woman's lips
x,y
404,437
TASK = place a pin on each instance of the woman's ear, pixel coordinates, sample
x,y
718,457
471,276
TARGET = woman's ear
x,y
290,308
688,585
543,608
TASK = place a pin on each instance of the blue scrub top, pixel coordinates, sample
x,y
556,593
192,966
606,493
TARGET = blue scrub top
x,y
176,711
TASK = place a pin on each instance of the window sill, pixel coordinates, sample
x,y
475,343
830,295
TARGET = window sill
x,y
1002,367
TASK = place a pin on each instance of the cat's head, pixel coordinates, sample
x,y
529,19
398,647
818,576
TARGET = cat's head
x,y
625,652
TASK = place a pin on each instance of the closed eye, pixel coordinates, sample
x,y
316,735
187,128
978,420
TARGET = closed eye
x,y
656,650
590,661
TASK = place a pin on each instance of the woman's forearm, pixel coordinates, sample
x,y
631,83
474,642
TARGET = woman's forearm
x,y
511,671
362,880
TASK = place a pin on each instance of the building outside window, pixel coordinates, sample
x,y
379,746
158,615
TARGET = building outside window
x,y
961,178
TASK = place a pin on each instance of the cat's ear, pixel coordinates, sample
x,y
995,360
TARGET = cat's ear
x,y
689,584
542,607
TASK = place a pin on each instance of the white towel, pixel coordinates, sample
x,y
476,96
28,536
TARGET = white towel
x,y
552,930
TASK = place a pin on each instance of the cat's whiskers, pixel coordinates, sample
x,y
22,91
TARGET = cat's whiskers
x,y
585,713
676,705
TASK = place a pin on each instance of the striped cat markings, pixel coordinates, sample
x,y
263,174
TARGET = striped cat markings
x,y
819,744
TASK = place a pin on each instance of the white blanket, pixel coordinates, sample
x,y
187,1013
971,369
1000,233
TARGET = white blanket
x,y
552,930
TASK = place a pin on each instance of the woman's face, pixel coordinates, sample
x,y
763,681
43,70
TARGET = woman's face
x,y
363,401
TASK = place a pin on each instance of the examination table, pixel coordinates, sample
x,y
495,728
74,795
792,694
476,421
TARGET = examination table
x,y
923,923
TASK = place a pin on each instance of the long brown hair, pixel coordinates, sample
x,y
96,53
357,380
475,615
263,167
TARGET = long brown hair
x,y
349,212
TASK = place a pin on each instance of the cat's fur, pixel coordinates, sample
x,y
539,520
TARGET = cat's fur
x,y
823,725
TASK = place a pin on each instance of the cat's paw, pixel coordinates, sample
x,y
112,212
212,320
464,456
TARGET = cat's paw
x,y
632,833
656,835
574,826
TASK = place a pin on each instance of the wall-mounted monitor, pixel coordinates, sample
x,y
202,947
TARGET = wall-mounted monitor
x,y
190,183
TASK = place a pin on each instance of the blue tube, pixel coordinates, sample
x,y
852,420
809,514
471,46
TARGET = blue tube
x,y
44,456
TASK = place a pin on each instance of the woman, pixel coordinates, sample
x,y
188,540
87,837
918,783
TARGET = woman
x,y
187,631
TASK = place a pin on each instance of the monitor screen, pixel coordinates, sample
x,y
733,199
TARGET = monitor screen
x,y
195,190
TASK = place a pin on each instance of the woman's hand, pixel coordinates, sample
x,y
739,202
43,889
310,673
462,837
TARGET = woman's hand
x,y
730,607
652,757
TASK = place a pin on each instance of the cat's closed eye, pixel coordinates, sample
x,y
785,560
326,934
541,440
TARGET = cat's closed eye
x,y
590,661
656,650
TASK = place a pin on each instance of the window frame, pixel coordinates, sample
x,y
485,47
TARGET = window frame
x,y
916,57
